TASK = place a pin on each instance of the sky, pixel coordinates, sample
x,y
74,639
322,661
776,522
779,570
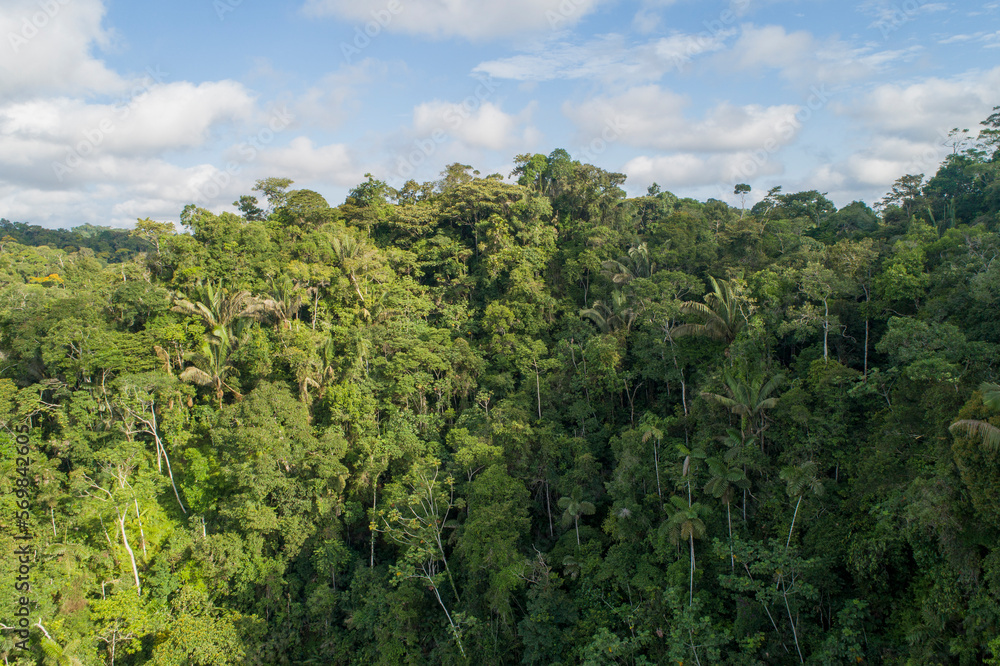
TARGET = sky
x,y
111,111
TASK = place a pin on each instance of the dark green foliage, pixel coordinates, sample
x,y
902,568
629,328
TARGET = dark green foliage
x,y
474,421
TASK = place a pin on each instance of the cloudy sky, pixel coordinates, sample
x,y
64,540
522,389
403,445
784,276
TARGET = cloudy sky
x,y
113,110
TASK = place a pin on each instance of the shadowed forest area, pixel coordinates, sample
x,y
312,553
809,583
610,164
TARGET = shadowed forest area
x,y
520,420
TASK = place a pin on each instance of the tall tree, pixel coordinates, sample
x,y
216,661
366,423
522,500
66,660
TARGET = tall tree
x,y
983,431
574,506
800,480
723,313
685,523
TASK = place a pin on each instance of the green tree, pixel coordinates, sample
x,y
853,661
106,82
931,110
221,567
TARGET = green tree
x,y
685,523
420,506
722,485
723,313
574,506
742,190
274,190
983,431
748,398
800,480
212,365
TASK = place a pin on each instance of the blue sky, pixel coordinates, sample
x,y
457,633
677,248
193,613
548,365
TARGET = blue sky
x,y
112,111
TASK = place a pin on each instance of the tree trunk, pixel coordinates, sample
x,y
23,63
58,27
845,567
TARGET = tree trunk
x,y
656,464
864,377
826,329
371,561
142,532
548,508
691,587
796,513
538,389
128,548
729,519
454,629
791,622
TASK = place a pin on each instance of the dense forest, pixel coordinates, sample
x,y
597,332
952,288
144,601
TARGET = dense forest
x,y
503,420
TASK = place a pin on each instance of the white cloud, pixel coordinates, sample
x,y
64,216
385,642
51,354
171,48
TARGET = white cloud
x,y
798,56
122,190
689,170
803,59
608,58
483,126
890,15
907,128
303,161
924,110
47,49
469,19
62,139
888,158
653,117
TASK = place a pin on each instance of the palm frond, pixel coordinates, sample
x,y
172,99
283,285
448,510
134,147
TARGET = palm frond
x,y
987,434
991,395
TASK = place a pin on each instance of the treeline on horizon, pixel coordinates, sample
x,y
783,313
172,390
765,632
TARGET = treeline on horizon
x,y
479,421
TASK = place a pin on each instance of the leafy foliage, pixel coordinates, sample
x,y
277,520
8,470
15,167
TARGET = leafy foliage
x,y
478,420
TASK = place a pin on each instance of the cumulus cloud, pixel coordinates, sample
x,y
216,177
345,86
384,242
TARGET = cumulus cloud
x,y
654,117
61,139
924,109
690,170
120,191
903,129
477,124
467,19
47,49
303,161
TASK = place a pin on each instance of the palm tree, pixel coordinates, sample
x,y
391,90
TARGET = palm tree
x,y
722,313
651,431
218,307
284,302
635,265
722,486
355,257
748,399
211,365
800,479
685,523
574,506
985,432
611,317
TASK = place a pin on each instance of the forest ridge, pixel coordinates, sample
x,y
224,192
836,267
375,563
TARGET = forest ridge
x,y
484,421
